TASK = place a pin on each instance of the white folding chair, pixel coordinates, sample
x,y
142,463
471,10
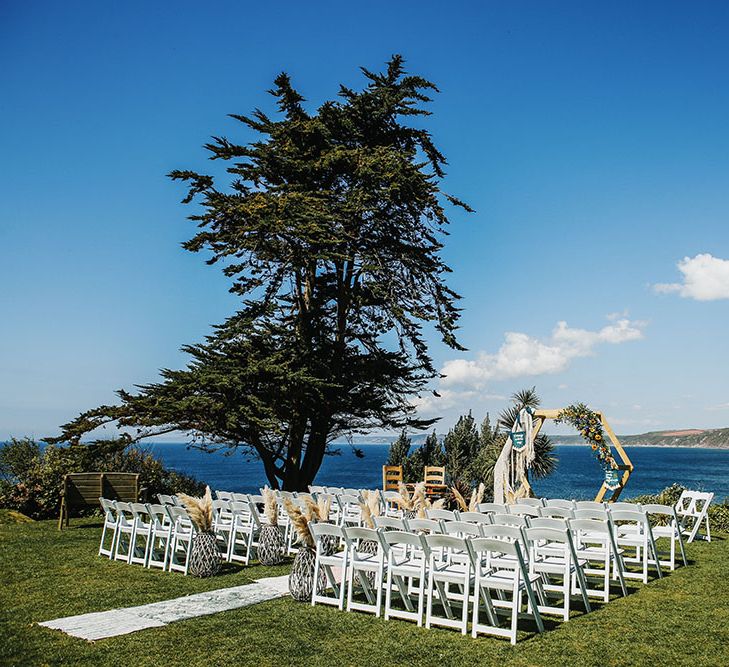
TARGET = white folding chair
x,y
509,520
633,530
391,507
490,579
350,511
406,563
125,532
160,540
692,509
670,529
595,545
324,534
453,569
552,555
243,531
142,532
224,495
165,499
111,523
366,561
183,534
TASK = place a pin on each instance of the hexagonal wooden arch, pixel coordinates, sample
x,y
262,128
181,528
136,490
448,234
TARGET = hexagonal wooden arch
x,y
540,416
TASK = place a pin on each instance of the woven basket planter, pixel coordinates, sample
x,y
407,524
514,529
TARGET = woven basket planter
x,y
409,514
301,579
204,556
270,545
369,547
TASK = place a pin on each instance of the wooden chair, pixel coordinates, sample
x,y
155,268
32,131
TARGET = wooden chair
x,y
82,490
434,477
391,477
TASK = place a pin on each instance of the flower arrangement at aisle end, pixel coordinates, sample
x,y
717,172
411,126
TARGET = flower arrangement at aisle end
x,y
589,425
301,579
205,558
271,539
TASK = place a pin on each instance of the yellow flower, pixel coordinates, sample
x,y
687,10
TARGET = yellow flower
x,y
598,437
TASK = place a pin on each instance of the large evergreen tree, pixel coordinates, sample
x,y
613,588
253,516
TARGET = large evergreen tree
x,y
329,230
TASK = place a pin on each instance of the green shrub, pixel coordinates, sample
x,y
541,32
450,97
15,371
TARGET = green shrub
x,y
31,476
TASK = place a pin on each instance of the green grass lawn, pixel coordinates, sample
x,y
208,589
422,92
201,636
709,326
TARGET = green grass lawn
x,y
46,574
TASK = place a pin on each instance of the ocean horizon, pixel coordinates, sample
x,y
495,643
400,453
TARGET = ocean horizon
x,y
578,474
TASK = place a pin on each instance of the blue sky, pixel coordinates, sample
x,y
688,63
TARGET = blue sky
x,y
591,138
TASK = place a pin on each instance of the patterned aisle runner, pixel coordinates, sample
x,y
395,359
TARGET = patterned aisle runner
x,y
115,622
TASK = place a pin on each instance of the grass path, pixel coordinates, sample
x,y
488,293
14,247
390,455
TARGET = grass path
x,y
680,620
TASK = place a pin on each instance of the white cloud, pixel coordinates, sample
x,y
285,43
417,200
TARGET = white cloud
x,y
721,406
521,355
705,278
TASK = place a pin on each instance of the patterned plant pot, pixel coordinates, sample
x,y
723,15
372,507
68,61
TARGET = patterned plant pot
x,y
410,514
270,545
301,579
204,556
330,544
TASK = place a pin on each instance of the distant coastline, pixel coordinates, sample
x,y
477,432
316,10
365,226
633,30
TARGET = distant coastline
x,y
694,438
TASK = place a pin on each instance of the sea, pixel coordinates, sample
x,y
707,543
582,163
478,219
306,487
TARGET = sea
x,y
578,474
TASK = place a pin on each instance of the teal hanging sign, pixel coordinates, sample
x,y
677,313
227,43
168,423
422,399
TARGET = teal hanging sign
x,y
518,440
612,479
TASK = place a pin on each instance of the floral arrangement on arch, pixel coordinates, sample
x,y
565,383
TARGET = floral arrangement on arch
x,y
589,426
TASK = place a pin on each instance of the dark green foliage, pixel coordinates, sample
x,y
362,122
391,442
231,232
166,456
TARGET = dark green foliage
x,y
413,463
399,450
430,453
462,444
329,229
33,476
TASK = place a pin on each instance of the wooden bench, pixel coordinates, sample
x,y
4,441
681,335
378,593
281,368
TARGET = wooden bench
x,y
82,490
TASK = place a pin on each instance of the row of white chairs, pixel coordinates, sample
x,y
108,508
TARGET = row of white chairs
x,y
493,567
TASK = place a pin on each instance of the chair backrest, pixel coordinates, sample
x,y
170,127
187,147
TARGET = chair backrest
x,y
390,523
240,497
475,517
629,516
663,510
108,508
165,499
352,492
588,526
159,514
424,525
492,508
346,499
631,507
355,536
443,515
557,513
480,546
320,529
509,520
693,503
434,475
505,533
391,477
175,513
546,522
391,538
439,542
141,512
316,489
224,495
534,502
599,514
589,505
524,510
559,502
221,506
257,499
537,534
461,528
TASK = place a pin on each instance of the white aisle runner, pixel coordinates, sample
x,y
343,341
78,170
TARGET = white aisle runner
x,y
100,625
